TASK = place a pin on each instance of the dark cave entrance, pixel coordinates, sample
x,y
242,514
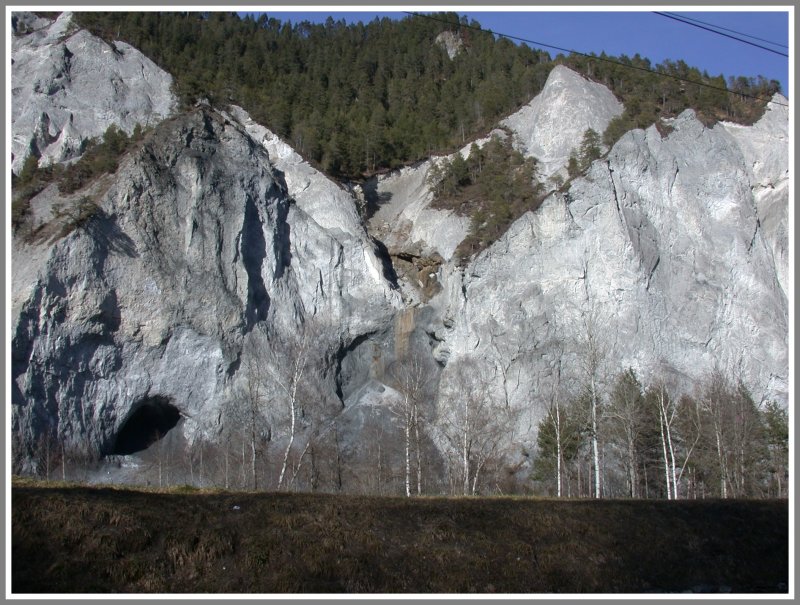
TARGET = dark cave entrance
x,y
153,418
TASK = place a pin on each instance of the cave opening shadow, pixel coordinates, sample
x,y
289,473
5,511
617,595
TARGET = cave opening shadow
x,y
150,421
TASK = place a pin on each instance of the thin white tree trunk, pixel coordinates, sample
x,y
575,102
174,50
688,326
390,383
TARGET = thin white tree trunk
x,y
408,451
475,479
672,463
419,452
722,469
465,449
664,451
595,449
286,455
558,450
296,470
253,462
298,373
632,476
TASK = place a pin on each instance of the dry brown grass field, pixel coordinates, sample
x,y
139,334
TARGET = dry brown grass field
x,y
79,539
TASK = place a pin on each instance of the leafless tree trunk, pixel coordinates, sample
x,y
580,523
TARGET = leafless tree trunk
x,y
554,416
290,391
593,357
625,409
412,377
667,417
474,424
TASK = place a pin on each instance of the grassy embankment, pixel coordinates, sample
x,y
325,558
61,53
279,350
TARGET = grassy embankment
x,y
90,539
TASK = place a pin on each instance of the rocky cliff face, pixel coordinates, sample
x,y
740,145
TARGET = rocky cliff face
x,y
214,244
68,86
658,251
549,128
552,125
196,248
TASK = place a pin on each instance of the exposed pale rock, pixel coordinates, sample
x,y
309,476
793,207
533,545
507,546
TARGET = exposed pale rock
x,y
329,204
25,23
404,219
68,86
657,249
451,42
765,146
197,248
216,236
552,125
548,129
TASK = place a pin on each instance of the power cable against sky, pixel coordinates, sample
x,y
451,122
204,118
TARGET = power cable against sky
x,y
719,33
733,31
595,58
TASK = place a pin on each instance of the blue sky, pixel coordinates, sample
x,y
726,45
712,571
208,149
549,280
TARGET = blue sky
x,y
644,32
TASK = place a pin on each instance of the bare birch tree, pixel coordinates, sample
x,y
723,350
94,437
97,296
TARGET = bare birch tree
x,y
412,376
679,429
248,410
474,421
291,371
625,413
560,434
592,357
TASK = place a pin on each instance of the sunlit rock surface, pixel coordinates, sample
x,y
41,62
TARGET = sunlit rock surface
x,y
215,241
68,86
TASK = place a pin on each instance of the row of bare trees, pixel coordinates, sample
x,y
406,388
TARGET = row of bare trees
x,y
456,432
650,442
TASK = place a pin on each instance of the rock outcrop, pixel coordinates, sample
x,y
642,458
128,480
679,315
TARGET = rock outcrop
x,y
765,147
215,246
656,250
552,125
197,260
451,42
68,86
549,129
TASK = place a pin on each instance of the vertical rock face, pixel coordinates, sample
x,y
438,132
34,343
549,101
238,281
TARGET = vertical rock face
x,y
197,247
68,86
215,241
548,129
656,249
765,147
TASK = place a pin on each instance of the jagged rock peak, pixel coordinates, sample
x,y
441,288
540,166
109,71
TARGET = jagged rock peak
x,y
552,125
660,249
196,248
69,86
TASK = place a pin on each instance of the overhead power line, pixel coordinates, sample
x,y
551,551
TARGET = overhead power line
x,y
719,33
595,58
733,31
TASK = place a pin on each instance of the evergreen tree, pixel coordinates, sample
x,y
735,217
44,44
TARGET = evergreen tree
x,y
590,148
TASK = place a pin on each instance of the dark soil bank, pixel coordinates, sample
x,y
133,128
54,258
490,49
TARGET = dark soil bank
x,y
80,539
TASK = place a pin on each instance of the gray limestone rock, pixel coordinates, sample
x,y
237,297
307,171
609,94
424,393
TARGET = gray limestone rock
x,y
451,42
68,86
215,242
548,129
552,125
765,147
657,250
196,248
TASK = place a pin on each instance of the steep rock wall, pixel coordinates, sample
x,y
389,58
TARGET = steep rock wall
x,y
197,248
68,86
657,250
